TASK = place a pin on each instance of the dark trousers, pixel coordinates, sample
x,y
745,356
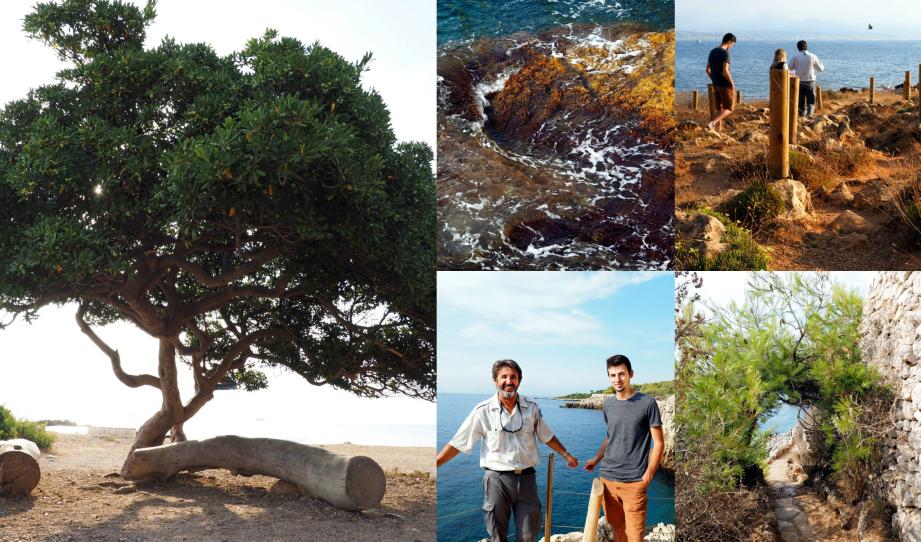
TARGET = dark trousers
x,y
505,493
806,98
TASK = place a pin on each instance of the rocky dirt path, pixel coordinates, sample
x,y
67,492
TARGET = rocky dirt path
x,y
852,221
801,515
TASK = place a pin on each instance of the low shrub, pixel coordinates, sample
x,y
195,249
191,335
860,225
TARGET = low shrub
x,y
756,207
11,428
810,172
743,252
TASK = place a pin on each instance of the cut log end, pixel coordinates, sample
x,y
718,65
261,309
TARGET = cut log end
x,y
19,470
365,483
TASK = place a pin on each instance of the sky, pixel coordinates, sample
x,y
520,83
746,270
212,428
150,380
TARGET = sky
x,y
723,287
559,326
51,370
891,18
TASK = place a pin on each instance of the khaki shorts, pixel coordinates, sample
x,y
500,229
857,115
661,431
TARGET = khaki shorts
x,y
725,97
625,505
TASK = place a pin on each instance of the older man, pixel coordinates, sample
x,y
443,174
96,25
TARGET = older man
x,y
511,426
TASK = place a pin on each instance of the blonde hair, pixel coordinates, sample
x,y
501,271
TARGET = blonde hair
x,y
780,55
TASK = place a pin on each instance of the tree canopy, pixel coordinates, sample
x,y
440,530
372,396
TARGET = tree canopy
x,y
246,210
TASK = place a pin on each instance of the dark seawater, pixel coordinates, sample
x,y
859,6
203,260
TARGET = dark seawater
x,y
460,488
468,19
847,63
540,167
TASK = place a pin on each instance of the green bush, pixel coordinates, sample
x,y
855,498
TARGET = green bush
x,y
755,207
743,252
794,340
11,428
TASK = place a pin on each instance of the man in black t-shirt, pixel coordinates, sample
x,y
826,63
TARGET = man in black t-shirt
x,y
723,87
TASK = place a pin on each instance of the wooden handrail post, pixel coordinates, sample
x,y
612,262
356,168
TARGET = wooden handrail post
x,y
694,97
818,98
779,136
794,108
738,97
907,88
594,511
548,522
711,98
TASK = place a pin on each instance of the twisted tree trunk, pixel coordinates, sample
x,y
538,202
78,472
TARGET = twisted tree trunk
x,y
351,483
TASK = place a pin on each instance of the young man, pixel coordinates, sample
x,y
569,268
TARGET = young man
x,y
511,425
804,64
720,76
627,463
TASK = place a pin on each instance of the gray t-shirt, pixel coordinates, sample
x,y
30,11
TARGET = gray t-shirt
x,y
629,439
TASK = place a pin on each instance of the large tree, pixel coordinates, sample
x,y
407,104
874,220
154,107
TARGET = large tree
x,y
245,210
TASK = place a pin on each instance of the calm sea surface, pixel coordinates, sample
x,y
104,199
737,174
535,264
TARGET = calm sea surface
x,y
466,19
847,63
460,488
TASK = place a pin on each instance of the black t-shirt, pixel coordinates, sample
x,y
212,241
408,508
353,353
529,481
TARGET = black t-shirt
x,y
718,57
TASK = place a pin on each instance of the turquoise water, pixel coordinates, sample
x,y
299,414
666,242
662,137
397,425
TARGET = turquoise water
x,y
847,63
460,491
466,19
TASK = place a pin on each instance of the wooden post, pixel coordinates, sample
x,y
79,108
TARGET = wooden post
x,y
907,88
818,98
919,90
872,89
711,98
779,136
694,97
594,511
794,108
548,523
738,97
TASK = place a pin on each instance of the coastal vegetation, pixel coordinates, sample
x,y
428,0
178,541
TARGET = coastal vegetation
x,y
11,428
794,340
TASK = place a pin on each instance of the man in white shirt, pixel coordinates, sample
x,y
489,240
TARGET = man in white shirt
x,y
510,425
804,64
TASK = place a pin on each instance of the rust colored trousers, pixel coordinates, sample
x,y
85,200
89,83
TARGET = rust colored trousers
x,y
625,505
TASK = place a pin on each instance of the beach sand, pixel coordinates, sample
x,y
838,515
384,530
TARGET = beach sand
x,y
76,501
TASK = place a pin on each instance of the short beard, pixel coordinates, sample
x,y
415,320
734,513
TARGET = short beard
x,y
507,394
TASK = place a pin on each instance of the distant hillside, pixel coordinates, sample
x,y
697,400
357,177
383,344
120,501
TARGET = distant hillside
x,y
655,389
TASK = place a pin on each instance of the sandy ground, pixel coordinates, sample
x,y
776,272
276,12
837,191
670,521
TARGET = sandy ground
x,y
76,500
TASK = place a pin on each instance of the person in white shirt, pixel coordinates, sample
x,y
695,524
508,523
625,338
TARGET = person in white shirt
x,y
510,425
804,64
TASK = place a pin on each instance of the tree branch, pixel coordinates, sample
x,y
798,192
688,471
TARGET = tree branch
x,y
132,381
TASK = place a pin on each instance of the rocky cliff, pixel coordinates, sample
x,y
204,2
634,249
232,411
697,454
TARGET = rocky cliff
x,y
891,342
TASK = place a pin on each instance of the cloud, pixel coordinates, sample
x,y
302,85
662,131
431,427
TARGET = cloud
x,y
530,307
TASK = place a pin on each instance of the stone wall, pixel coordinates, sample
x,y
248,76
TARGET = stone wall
x,y
891,342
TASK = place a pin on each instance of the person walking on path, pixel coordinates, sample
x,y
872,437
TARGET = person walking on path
x,y
804,65
510,425
721,77
627,464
